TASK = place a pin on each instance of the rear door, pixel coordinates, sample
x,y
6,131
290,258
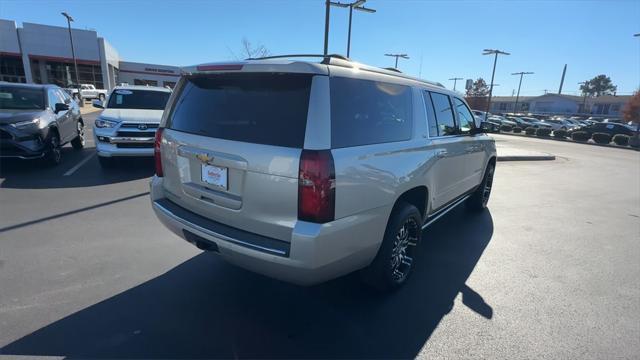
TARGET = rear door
x,y
449,171
233,148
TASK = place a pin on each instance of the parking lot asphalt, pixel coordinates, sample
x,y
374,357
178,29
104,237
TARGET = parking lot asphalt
x,y
551,270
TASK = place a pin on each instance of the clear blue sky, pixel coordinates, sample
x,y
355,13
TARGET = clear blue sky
x,y
592,37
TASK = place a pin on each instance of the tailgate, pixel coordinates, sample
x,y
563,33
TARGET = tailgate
x,y
232,149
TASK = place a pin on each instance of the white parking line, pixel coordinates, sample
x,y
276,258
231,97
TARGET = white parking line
x,y
73,169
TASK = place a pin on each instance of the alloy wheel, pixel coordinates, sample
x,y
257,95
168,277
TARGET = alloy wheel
x,y
403,248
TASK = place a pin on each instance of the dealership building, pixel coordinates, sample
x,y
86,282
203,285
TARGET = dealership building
x,y
41,54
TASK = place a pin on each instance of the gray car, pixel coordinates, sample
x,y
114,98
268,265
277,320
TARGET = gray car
x,y
306,171
36,121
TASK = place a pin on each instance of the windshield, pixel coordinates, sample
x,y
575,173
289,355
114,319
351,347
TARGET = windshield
x,y
138,99
19,98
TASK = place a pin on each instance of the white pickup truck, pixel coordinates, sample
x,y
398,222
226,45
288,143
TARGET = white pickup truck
x,y
89,91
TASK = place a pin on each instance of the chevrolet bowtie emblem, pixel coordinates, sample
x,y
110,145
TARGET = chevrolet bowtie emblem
x,y
205,158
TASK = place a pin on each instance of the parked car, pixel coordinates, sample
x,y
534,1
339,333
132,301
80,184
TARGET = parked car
x,y
481,115
36,121
87,91
502,120
602,127
307,171
490,126
127,125
558,124
536,123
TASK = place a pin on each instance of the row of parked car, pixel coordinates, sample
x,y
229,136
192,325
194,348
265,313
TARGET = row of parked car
x,y
591,125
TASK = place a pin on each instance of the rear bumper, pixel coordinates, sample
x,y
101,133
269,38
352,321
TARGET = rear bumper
x,y
316,252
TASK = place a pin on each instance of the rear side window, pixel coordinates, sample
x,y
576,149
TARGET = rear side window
x,y
431,115
369,112
260,108
444,114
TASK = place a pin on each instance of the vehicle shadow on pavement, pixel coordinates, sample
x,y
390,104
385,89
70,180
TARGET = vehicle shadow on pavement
x,y
206,308
35,174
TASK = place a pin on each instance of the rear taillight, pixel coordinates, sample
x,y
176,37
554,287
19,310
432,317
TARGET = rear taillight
x,y
156,152
316,186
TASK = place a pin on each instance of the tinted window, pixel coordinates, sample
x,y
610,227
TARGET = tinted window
x,y
259,108
464,116
431,115
369,112
444,114
138,99
21,98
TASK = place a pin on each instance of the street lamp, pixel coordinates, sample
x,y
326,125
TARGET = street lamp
x,y
356,5
495,60
455,80
404,56
73,52
522,73
584,95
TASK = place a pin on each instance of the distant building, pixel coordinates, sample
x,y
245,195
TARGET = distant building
x,y
607,105
41,54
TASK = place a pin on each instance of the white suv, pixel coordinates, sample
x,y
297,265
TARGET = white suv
x,y
127,125
307,171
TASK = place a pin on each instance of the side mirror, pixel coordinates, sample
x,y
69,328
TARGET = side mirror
x,y
483,128
60,107
98,104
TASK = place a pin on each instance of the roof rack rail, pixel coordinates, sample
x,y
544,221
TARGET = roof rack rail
x,y
393,69
337,56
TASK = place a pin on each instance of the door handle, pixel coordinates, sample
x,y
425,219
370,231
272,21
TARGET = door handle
x,y
441,154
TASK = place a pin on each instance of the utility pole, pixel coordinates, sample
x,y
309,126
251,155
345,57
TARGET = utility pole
x,y
73,55
356,5
495,60
403,56
455,80
522,73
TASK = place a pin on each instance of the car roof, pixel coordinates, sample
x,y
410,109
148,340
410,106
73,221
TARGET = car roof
x,y
29,86
142,87
291,63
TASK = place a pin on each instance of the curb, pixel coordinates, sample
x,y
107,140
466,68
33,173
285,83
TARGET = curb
x,y
526,158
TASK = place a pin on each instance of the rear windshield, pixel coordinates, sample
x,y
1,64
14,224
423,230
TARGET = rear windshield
x,y
20,98
260,108
138,99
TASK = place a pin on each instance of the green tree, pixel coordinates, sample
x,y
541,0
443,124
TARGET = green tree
x,y
477,95
599,85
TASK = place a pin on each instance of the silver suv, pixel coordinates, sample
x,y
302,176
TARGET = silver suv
x,y
307,171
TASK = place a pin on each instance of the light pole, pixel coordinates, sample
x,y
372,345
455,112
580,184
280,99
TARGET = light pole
x,y
522,73
356,5
404,56
326,26
455,80
495,60
73,55
584,95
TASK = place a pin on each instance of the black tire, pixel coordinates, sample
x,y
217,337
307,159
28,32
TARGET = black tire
x,y
78,141
106,162
480,198
53,155
395,260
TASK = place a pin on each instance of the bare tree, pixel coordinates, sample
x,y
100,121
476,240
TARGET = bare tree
x,y
250,50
